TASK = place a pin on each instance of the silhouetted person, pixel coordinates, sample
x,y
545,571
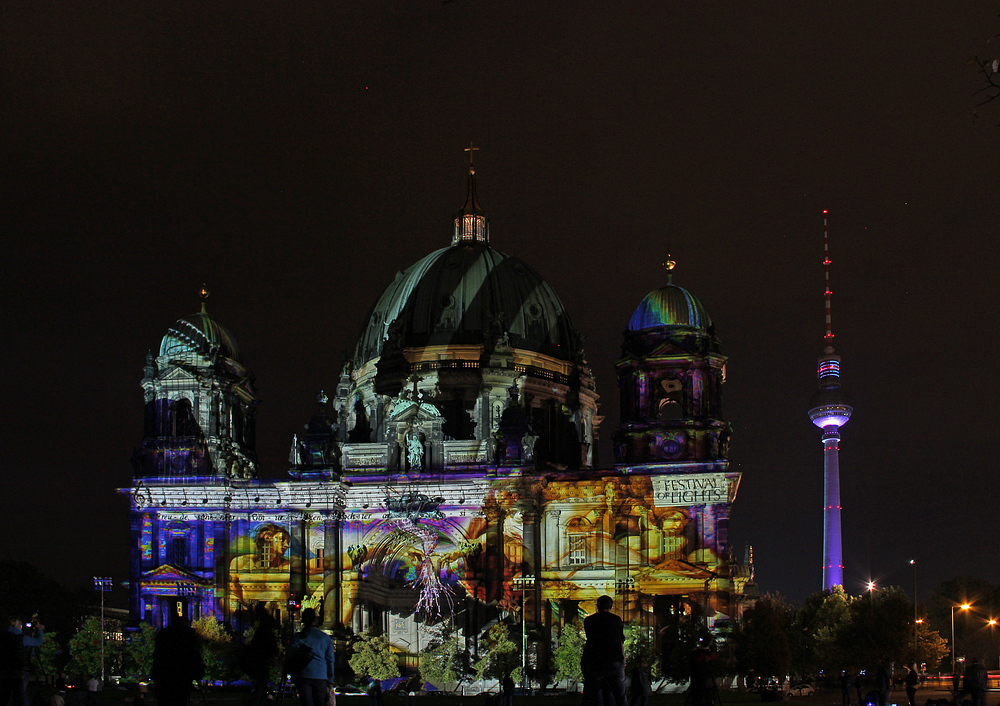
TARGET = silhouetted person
x,y
883,684
642,685
603,662
176,663
911,681
374,692
261,651
974,683
507,691
702,687
846,682
316,679
15,661
859,687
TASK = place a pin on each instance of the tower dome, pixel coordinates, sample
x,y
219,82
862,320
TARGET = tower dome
x,y
200,334
466,294
669,306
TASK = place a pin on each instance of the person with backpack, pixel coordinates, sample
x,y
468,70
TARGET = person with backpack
x,y
15,661
313,676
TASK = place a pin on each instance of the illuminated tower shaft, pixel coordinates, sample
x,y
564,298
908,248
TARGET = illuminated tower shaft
x,y
830,410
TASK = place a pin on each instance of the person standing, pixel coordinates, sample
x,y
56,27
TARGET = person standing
x,y
975,682
883,683
911,681
603,662
15,661
94,686
374,692
262,650
176,663
642,685
846,682
315,680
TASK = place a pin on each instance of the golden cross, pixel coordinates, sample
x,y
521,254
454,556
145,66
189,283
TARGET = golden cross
x,y
471,150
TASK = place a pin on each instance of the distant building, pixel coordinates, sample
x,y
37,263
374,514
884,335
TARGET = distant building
x,y
449,477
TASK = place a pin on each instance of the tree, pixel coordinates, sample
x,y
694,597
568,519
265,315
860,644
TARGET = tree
x,y
373,657
442,661
216,646
762,645
567,655
639,645
138,655
880,628
85,650
931,647
49,657
499,655
814,633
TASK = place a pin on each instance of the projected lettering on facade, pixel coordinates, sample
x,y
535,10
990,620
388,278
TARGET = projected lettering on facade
x,y
691,490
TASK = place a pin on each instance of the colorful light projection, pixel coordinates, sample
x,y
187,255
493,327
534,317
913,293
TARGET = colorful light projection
x,y
421,559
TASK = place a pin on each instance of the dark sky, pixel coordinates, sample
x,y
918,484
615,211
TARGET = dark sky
x,y
295,155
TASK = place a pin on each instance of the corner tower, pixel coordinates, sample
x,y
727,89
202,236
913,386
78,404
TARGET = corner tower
x,y
830,409
200,405
670,378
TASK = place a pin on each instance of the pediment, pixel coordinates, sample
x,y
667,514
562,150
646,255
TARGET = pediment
x,y
168,573
177,373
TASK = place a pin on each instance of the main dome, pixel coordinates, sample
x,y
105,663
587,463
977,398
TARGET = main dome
x,y
469,293
200,333
669,306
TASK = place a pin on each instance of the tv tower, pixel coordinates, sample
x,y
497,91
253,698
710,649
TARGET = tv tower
x,y
829,409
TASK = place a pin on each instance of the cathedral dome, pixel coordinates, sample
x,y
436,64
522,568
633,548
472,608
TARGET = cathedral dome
x,y
669,306
200,334
465,294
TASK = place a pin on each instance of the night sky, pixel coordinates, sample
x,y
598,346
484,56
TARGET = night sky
x,y
295,155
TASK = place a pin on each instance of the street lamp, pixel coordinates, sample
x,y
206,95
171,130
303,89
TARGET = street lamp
x,y
913,563
522,584
102,584
954,670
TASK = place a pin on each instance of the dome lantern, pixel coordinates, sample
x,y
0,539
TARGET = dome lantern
x,y
471,223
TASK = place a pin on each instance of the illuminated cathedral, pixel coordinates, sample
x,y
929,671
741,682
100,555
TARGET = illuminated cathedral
x,y
448,476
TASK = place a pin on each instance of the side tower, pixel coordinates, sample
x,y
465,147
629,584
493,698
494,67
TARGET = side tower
x,y
672,447
198,443
200,405
830,409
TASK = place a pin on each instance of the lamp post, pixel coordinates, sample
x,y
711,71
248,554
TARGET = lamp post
x,y
102,584
954,668
913,563
522,584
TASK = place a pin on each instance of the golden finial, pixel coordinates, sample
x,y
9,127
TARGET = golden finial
x,y
471,149
203,293
669,264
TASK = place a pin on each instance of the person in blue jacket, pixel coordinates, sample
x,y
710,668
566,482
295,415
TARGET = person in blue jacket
x,y
315,681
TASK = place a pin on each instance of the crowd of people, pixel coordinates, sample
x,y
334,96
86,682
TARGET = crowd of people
x,y
310,658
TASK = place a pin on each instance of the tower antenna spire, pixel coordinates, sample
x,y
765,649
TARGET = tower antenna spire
x,y
826,272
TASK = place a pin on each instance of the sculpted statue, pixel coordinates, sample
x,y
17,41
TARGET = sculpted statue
x,y
528,446
415,453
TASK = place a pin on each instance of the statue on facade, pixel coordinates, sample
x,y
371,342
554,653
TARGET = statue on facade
x,y
528,447
415,453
